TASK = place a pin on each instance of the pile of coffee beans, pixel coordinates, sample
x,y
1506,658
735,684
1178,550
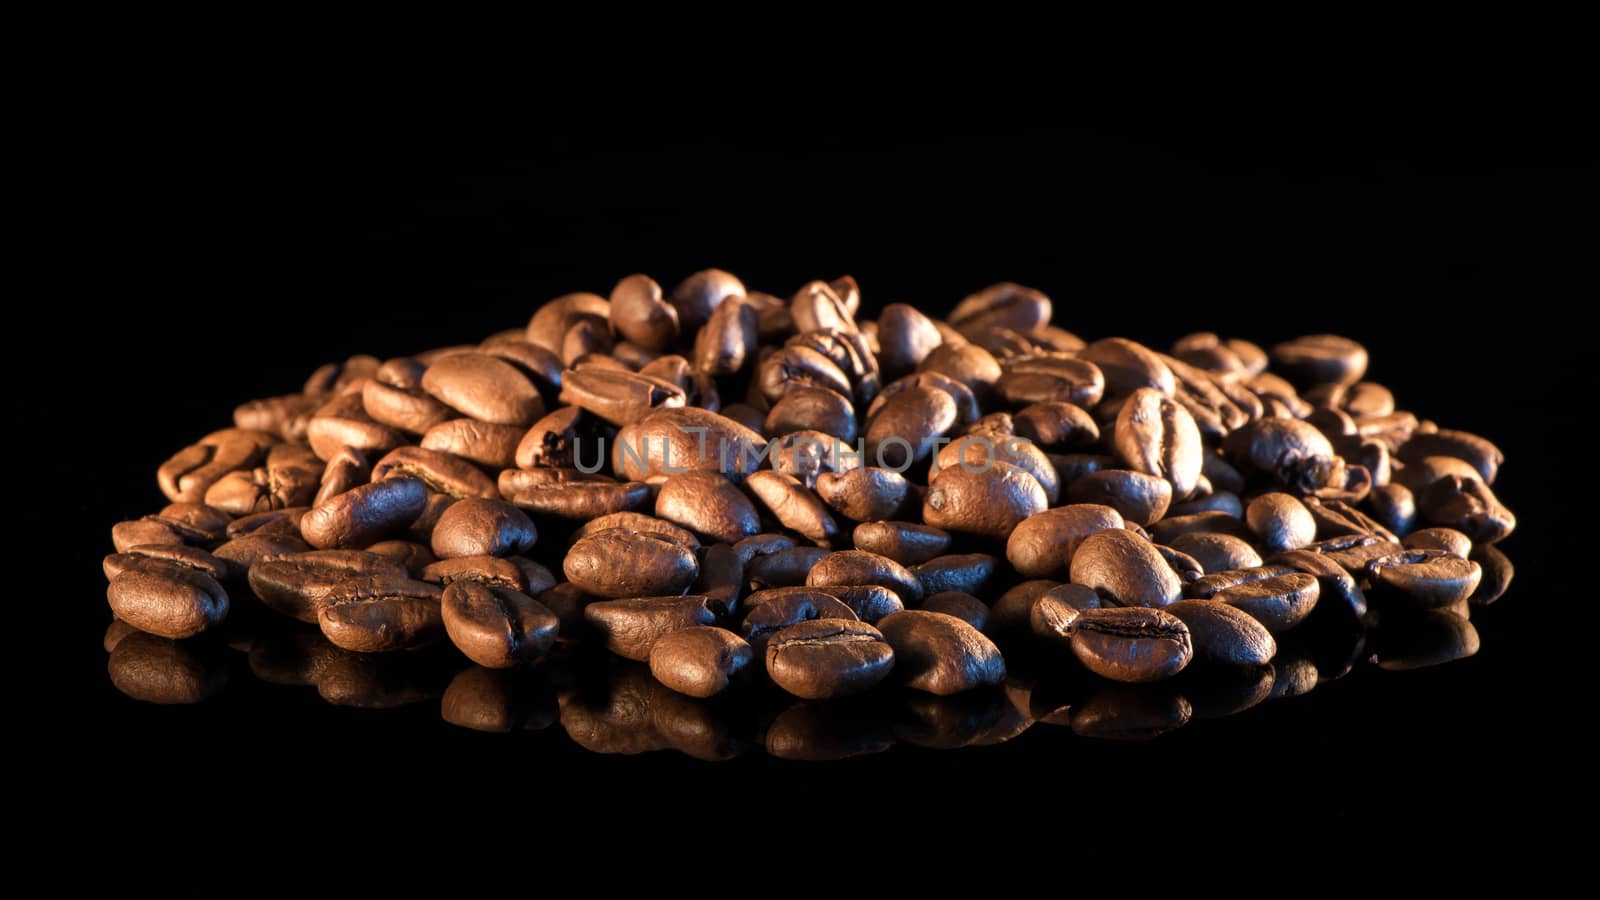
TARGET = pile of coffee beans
x,y
747,496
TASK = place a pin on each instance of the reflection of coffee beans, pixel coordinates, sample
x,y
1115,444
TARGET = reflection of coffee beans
x,y
733,486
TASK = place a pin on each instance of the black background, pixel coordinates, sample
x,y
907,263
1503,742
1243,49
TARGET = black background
x,y
182,277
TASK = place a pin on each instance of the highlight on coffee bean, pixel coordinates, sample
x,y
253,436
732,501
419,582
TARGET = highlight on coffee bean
x,y
714,520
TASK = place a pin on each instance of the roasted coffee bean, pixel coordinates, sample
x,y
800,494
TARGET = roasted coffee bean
x,y
806,455
441,472
905,338
1280,522
1157,436
477,527
485,388
1482,455
483,443
709,505
1336,518
960,604
941,654
1321,358
1004,305
1187,567
1354,551
144,532
966,572
1335,585
1128,366
1054,614
365,515
696,297
1279,603
1126,569
866,494
854,567
1133,645
907,543
1468,506
413,556
779,609
1056,425
1137,497
1427,578
190,472
167,599
1009,615
727,343
1225,634
812,409
670,441
631,626
1394,507
1029,380
406,409
870,602
381,614
793,505
1294,453
1171,528
580,500
164,554
1497,574
1222,502
699,661
1447,539
980,451
486,570
640,314
1216,552
901,433
619,397
783,568
495,627
245,551
828,658
298,585
622,563
989,502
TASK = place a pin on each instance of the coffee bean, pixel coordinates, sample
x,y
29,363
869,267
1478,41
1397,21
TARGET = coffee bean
x,y
245,551
941,654
960,604
965,572
1054,615
168,554
621,563
1028,380
441,472
670,441
870,602
491,571
794,505
580,500
1295,454
1056,425
413,556
1468,506
1157,436
167,599
901,433
1125,569
1132,645
1497,574
905,338
856,567
1280,522
1279,603
1321,358
907,543
478,527
495,627
828,658
727,343
1394,507
1224,634
381,614
482,443
1477,452
982,450
1216,552
707,504
988,503
1427,578
785,567
364,515
1447,539
1137,497
485,388
639,313
1335,585
780,609
866,494
699,661
1005,305
631,626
